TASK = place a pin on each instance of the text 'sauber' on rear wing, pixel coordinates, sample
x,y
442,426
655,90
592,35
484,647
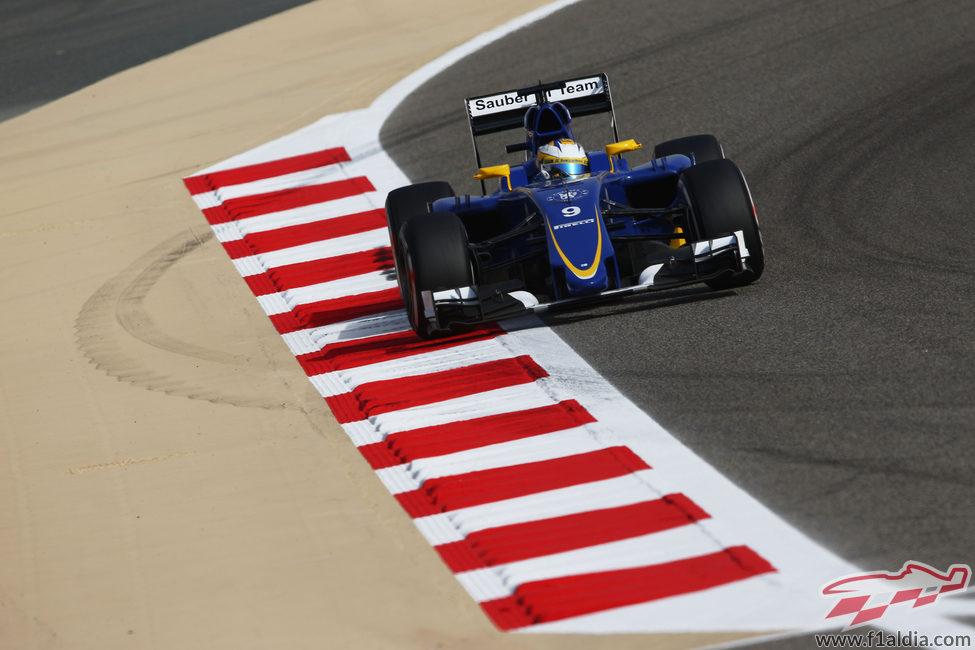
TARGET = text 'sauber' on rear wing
x,y
505,110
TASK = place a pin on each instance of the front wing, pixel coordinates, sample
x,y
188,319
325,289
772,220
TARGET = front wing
x,y
696,262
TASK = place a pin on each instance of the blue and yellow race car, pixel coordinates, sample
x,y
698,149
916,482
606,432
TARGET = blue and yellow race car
x,y
566,225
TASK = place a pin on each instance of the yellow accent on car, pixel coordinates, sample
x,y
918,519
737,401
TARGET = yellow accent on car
x,y
677,243
622,147
579,273
497,171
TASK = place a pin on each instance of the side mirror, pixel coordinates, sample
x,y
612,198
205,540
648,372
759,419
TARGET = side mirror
x,y
622,147
497,171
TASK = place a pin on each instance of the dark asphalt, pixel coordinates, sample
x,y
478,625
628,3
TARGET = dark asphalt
x,y
50,49
839,389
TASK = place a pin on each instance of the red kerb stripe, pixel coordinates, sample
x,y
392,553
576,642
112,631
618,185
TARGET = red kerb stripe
x,y
326,312
328,269
308,233
376,349
260,171
260,284
494,546
407,446
303,274
378,397
475,488
237,248
258,204
558,598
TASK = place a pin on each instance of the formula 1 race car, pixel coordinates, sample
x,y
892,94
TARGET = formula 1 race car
x,y
568,225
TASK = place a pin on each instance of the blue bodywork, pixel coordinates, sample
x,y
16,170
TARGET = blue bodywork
x,y
576,217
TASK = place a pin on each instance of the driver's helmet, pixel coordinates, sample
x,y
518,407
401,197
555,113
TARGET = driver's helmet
x,y
562,158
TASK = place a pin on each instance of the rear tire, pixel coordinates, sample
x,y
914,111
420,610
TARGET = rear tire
x,y
435,256
404,203
702,147
721,204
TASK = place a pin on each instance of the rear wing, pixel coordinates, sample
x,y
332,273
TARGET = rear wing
x,y
505,110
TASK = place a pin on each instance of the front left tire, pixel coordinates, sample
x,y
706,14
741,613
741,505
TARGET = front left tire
x,y
404,204
700,148
720,204
435,256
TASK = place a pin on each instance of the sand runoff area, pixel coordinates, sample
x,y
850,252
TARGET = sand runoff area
x,y
170,478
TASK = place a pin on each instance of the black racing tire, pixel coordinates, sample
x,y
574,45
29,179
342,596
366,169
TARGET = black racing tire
x,y
720,204
435,256
404,203
702,147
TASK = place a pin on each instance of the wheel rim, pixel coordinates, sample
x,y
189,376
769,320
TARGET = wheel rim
x,y
414,305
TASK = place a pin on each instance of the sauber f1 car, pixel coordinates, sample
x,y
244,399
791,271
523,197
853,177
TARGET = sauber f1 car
x,y
567,225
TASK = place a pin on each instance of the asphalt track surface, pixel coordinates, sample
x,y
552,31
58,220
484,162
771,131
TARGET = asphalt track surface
x,y
50,49
839,389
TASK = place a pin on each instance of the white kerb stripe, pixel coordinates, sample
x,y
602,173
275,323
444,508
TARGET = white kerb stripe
x,y
411,476
461,356
357,243
299,216
390,322
459,409
314,339
645,550
304,178
327,173
300,342
285,301
609,493
250,265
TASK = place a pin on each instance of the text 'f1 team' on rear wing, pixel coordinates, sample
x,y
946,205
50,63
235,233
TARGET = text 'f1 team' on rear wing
x,y
505,110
